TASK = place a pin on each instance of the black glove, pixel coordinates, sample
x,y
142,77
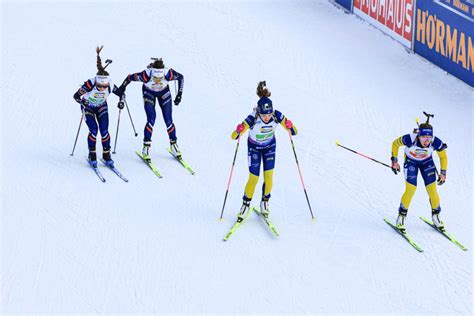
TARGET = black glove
x,y
177,100
442,177
85,102
395,165
120,91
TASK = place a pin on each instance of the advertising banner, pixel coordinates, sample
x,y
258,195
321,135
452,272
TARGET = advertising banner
x,y
394,17
444,35
347,4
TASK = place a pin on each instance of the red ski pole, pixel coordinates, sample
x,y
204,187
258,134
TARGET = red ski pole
x,y
355,152
301,176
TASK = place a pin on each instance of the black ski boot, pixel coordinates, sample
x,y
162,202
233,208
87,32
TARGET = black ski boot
x,y
92,158
107,158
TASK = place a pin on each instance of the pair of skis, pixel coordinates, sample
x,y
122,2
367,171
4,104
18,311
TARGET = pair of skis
x,y
265,218
410,240
155,170
111,167
145,160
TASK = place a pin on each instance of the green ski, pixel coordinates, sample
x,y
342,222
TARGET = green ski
x,y
149,163
233,229
404,235
444,233
183,163
267,221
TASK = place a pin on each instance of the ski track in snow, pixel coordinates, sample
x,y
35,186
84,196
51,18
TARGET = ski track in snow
x,y
71,244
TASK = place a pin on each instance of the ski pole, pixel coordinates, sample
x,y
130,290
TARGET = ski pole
x,y
230,177
133,125
301,176
355,152
116,134
77,135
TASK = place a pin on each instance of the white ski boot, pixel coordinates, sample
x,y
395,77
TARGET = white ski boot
x,y
264,206
146,150
244,210
175,149
402,214
437,221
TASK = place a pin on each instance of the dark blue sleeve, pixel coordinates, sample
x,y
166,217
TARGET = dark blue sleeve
x,y
279,117
250,120
406,140
86,87
438,145
118,92
174,75
139,76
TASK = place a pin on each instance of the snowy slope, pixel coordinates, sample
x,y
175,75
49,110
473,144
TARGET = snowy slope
x,y
73,244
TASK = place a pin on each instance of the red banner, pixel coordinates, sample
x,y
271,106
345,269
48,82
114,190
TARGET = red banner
x,y
393,16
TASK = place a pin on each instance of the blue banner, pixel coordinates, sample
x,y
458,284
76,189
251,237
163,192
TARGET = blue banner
x,y
346,4
444,34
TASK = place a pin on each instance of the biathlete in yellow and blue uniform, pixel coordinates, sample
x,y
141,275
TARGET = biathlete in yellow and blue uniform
x,y
261,124
419,148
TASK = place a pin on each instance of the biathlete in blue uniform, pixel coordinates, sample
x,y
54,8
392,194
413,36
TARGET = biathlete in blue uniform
x,y
92,96
261,123
155,86
418,157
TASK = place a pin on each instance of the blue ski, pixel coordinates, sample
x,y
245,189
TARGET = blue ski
x,y
115,170
96,170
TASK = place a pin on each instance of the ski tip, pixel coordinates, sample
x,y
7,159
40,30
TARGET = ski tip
x,y
220,219
337,143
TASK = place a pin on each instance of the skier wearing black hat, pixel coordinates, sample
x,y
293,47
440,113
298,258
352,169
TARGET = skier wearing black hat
x,y
261,124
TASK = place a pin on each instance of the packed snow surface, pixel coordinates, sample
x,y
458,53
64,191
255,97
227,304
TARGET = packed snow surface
x,y
73,244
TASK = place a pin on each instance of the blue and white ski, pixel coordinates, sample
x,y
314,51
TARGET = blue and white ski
x,y
96,170
115,170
